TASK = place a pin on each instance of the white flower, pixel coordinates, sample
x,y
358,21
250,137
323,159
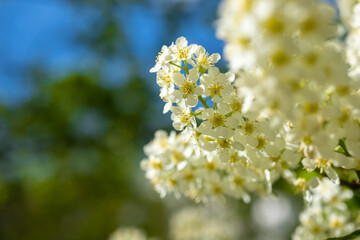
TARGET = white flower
x,y
128,233
182,117
198,223
220,150
180,51
186,87
162,60
327,215
204,60
216,84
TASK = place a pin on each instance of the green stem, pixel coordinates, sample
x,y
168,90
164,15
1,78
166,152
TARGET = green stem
x,y
177,65
203,102
351,236
196,114
352,185
215,106
186,68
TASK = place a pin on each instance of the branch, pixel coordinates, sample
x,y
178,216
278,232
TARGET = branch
x,y
352,185
203,102
351,236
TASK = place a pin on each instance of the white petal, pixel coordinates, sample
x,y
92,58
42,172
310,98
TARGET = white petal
x,y
272,151
205,128
252,141
177,126
176,110
238,146
226,90
231,122
181,165
193,75
223,108
167,107
224,156
155,68
192,49
231,76
331,173
209,146
217,99
214,71
238,136
199,90
176,96
208,113
224,132
178,78
308,164
181,42
291,157
215,57
191,100
313,182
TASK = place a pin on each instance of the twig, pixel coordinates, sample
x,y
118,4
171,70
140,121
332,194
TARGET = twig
x,y
351,236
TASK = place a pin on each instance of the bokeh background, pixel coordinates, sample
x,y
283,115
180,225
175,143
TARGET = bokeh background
x,y
77,104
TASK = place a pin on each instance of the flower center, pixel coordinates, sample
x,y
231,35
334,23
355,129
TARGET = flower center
x,y
215,89
224,143
248,128
183,53
218,120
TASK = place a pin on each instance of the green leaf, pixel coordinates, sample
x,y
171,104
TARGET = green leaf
x,y
341,148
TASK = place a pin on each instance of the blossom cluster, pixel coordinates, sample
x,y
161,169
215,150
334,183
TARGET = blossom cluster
x,y
223,147
327,215
291,102
350,11
204,223
128,233
216,222
290,65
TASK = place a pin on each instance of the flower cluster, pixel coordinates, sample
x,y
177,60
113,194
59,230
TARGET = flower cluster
x,y
296,75
295,98
200,223
327,215
223,148
350,11
128,233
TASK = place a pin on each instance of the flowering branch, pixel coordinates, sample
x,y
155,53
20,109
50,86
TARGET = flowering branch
x,y
302,103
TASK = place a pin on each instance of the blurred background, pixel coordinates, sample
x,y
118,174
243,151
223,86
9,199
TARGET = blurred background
x,y
77,105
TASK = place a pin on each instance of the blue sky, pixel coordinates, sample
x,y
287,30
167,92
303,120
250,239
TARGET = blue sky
x,y
36,31
44,32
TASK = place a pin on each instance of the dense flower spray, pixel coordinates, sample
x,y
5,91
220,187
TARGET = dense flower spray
x,y
327,215
201,223
297,74
291,102
223,147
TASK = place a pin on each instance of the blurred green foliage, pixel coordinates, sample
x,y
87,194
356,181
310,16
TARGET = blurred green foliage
x,y
68,160
70,153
